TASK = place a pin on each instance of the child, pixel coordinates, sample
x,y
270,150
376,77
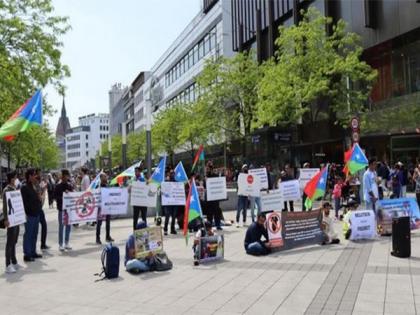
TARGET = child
x,y
337,195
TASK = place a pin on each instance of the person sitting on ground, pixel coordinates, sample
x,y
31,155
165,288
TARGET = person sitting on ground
x,y
132,264
206,231
349,208
253,243
330,237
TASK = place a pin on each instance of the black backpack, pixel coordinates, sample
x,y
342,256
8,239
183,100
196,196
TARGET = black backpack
x,y
161,262
110,259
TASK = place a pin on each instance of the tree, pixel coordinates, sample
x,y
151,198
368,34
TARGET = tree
x,y
310,74
136,147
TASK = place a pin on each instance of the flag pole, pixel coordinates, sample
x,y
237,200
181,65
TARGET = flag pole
x,y
1,171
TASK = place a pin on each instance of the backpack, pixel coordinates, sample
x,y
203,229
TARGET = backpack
x,y
161,262
110,259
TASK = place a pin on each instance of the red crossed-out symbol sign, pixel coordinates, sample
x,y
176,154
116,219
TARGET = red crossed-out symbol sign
x,y
85,205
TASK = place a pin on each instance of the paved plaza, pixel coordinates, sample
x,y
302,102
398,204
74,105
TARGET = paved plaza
x,y
350,278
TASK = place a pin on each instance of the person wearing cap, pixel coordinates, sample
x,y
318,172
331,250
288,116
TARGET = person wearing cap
x,y
204,232
330,236
370,186
242,201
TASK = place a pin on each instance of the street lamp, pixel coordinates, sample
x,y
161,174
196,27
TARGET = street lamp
x,y
148,137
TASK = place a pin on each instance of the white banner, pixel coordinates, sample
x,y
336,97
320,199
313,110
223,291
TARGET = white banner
x,y
143,195
15,209
271,200
82,206
305,175
363,225
114,201
290,190
249,185
173,194
262,174
216,188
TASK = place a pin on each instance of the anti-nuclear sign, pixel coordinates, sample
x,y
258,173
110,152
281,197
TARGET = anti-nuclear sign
x,y
81,206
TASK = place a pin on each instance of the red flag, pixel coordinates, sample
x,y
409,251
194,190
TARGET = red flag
x,y
197,157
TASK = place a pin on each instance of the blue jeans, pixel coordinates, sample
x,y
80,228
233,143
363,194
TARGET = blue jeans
x,y
255,201
256,249
242,205
30,236
135,265
61,228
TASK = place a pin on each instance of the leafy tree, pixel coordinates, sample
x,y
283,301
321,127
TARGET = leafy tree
x,y
136,146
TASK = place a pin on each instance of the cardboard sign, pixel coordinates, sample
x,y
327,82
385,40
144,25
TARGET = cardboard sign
x,y
290,190
211,248
216,188
173,194
305,175
262,174
395,208
143,195
81,206
274,229
271,200
148,240
114,201
363,225
249,185
15,209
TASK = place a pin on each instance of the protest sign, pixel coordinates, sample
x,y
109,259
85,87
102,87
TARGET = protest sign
x,y
173,194
262,174
148,241
363,225
271,200
211,248
143,194
395,208
81,206
15,210
216,188
274,229
305,175
249,185
290,190
114,201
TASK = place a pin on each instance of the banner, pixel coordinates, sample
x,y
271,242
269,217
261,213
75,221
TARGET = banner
x,y
148,241
363,225
249,185
211,248
173,193
143,195
395,208
114,201
15,209
216,188
290,190
262,174
274,229
81,206
271,200
305,175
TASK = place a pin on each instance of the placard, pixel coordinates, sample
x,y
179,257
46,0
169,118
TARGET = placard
x,y
290,190
211,248
81,206
262,174
274,229
173,194
395,208
15,209
363,225
305,175
148,241
249,185
271,200
114,201
216,188
143,194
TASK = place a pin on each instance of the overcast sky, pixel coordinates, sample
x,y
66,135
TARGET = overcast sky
x,y
112,41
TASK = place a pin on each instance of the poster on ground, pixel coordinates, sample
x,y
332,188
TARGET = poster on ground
x,y
216,188
305,175
290,190
249,185
395,208
211,248
143,194
271,200
81,206
274,229
363,225
262,174
15,210
114,201
173,193
148,241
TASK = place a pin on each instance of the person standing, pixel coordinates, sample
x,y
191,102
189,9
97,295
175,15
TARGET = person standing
x,y
404,180
41,188
286,176
337,193
137,210
33,207
103,184
416,178
370,186
64,186
305,165
12,232
242,201
85,183
170,211
213,207
50,190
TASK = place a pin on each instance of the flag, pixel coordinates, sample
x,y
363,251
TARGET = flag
x,y
180,174
347,155
357,160
192,206
316,187
95,183
29,114
199,156
129,172
158,175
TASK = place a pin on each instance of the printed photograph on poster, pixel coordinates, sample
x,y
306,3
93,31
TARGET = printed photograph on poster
x,y
143,194
290,190
262,174
148,240
173,193
305,175
395,208
216,188
81,206
271,200
249,185
15,210
274,229
211,248
114,201
363,225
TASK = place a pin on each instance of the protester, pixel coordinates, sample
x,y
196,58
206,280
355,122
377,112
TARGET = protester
x,y
170,211
103,183
242,201
131,263
416,178
33,207
330,237
85,183
285,176
12,232
64,186
139,177
305,165
370,186
337,195
213,210
253,243
204,232
41,188
349,208
50,190
404,179
396,181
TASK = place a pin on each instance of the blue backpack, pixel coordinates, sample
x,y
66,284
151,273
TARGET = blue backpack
x,y
110,259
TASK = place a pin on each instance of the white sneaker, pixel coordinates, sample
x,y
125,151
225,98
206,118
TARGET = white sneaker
x,y
68,247
10,269
237,225
61,248
16,266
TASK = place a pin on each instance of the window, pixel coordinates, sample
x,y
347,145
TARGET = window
x,y
87,145
87,137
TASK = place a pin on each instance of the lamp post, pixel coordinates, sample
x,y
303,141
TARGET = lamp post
x,y
110,152
148,137
124,146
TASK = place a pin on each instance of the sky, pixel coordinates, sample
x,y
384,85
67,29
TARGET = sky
x,y
112,41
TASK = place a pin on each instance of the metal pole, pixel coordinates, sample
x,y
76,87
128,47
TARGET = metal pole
x,y
124,146
1,172
110,153
148,138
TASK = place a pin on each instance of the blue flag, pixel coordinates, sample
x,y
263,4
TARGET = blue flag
x,y
180,174
158,175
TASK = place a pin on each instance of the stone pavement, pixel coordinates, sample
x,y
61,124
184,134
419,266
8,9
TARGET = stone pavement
x,y
350,278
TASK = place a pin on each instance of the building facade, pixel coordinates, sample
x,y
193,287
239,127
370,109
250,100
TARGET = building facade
x,y
116,108
63,126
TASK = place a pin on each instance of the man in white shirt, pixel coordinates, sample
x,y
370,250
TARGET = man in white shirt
x,y
370,186
84,185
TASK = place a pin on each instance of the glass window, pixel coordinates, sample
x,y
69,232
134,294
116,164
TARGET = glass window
x,y
190,59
